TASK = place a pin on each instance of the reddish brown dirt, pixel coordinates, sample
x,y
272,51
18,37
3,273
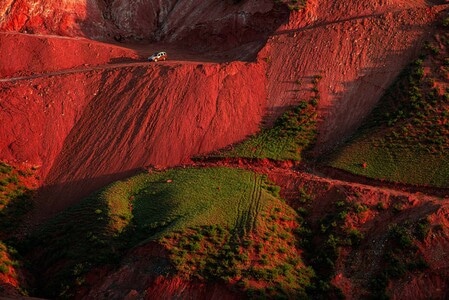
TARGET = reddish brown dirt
x,y
93,126
27,55
357,47
146,273
162,114
87,113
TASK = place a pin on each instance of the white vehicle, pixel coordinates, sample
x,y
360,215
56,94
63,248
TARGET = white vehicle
x,y
158,56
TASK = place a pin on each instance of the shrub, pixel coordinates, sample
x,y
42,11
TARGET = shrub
x,y
381,206
359,208
401,235
422,229
4,269
5,168
355,236
445,22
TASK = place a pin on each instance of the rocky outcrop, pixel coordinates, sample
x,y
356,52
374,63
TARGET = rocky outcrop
x,y
169,20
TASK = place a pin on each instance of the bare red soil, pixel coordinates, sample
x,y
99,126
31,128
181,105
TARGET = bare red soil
x,y
357,47
90,113
69,120
87,113
142,276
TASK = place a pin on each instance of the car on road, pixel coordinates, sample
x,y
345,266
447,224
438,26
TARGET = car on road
x,y
158,56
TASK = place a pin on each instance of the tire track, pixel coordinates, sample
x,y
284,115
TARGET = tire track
x,y
322,173
248,207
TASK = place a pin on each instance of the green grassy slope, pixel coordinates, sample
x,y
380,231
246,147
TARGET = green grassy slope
x,y
15,202
145,207
406,139
292,134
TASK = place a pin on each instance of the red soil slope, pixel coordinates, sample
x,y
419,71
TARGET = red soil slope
x,y
91,127
87,123
141,276
153,20
358,47
27,55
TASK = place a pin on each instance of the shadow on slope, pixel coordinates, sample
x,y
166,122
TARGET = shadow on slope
x,y
146,115
225,206
223,30
405,137
356,57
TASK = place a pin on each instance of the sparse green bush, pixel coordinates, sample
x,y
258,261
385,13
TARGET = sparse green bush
x,y
381,206
359,208
355,236
292,135
445,22
401,235
422,229
5,168
3,269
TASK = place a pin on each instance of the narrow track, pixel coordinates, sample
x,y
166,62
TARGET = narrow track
x,y
322,173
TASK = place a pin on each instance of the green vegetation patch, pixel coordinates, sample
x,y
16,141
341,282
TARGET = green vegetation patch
x,y
15,202
7,263
292,134
15,198
401,255
407,165
102,228
324,236
178,199
406,139
263,263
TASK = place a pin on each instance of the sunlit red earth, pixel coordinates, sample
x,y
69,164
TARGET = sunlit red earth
x,y
80,103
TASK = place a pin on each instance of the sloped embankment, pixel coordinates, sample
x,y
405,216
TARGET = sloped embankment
x,y
27,55
94,126
357,48
90,126
370,242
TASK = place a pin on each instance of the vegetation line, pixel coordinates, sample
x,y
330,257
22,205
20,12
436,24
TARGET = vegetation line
x,y
325,172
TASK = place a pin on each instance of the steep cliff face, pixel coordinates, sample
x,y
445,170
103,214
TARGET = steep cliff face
x,y
150,20
352,49
88,128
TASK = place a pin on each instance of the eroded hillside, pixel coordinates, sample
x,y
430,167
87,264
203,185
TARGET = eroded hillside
x,y
82,114
356,47
69,120
225,23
